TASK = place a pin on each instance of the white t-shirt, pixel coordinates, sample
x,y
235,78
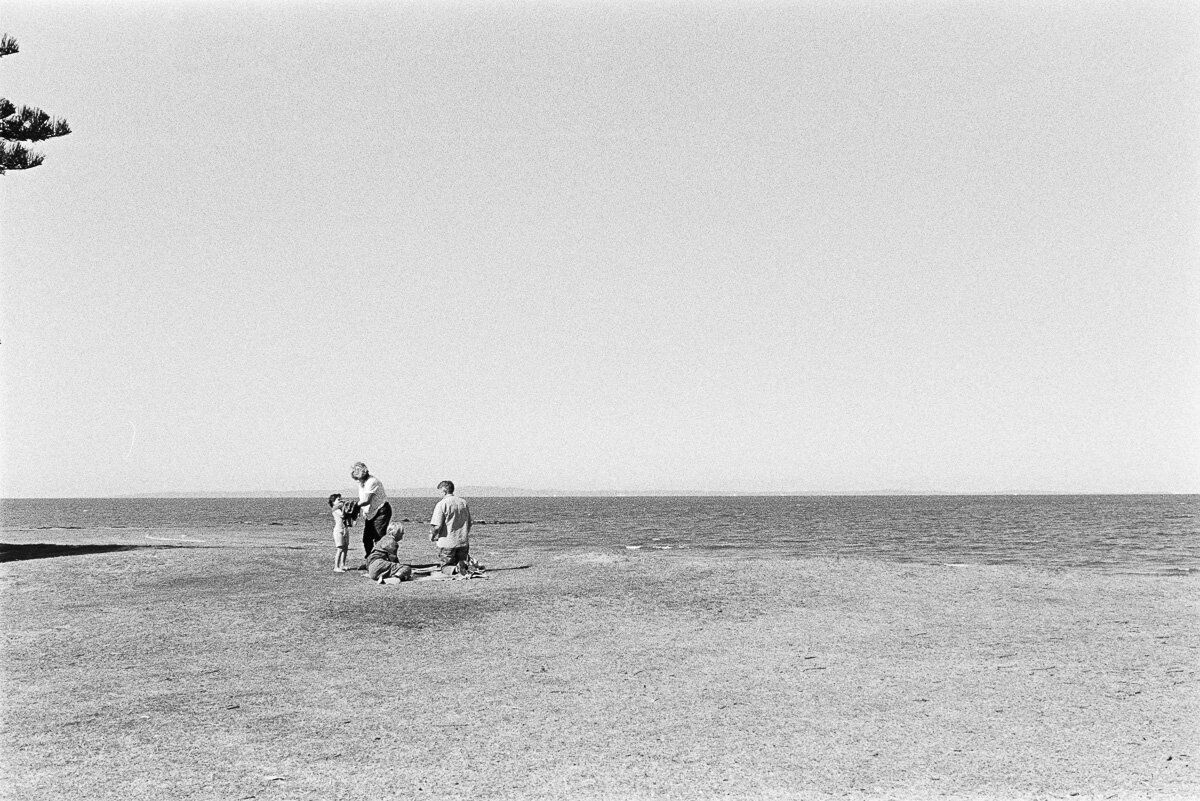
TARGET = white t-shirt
x,y
452,519
371,497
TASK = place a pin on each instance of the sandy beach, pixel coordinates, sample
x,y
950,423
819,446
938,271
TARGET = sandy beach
x,y
244,668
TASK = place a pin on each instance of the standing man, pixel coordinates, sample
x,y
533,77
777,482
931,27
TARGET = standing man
x,y
450,529
373,500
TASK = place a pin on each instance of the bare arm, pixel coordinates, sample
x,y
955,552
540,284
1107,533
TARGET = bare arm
x,y
436,523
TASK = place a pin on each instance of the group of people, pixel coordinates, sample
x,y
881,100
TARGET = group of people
x,y
449,530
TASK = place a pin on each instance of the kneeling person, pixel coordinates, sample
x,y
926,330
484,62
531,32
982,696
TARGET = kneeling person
x,y
383,565
450,529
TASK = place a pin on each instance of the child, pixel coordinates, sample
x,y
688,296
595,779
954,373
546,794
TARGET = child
x,y
344,512
383,565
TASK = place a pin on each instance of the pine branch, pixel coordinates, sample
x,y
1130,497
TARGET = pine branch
x,y
31,125
16,156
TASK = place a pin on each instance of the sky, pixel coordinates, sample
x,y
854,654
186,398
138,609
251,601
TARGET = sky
x,y
752,247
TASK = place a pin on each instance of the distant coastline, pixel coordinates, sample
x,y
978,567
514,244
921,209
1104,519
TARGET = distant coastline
x,y
517,492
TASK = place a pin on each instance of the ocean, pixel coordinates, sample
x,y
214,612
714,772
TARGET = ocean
x,y
1156,534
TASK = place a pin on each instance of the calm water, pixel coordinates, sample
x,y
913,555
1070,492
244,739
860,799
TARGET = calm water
x,y
1142,533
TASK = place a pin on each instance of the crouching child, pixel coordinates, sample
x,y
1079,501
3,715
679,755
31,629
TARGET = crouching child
x,y
383,565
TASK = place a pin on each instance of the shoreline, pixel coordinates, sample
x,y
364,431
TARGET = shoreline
x,y
252,536
514,493
1151,534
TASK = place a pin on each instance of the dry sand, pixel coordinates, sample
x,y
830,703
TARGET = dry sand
x,y
243,668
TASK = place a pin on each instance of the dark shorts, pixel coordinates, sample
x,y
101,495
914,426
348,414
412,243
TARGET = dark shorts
x,y
458,560
452,556
376,527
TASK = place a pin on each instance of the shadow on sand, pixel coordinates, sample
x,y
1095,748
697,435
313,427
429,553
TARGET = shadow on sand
x,y
10,552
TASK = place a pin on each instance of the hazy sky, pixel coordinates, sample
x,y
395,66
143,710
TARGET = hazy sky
x,y
811,247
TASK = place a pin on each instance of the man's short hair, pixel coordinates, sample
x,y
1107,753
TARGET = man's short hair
x,y
359,470
448,486
334,498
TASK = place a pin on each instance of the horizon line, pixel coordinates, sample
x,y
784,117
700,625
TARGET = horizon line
x,y
408,492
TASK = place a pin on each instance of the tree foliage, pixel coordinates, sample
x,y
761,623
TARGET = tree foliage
x,y
24,124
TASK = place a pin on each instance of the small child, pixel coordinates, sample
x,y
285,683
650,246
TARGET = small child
x,y
344,512
383,565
